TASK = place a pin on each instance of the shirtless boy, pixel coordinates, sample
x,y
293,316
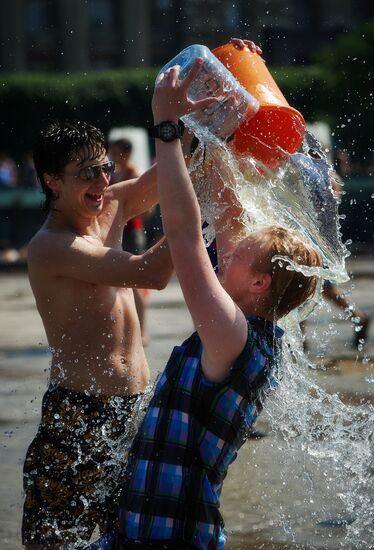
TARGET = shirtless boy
x,y
82,281
214,383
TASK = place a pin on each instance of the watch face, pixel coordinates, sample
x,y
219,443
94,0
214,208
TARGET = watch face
x,y
168,131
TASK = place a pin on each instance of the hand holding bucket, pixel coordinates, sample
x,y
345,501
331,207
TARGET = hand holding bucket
x,y
277,128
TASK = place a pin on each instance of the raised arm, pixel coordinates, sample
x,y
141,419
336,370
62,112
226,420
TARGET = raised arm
x,y
221,324
137,195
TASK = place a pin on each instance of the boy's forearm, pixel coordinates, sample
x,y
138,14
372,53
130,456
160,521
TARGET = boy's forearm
x,y
141,194
156,264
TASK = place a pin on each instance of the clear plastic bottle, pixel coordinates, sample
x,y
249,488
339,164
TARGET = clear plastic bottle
x,y
235,103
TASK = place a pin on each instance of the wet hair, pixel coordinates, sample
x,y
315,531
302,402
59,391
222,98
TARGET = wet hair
x,y
289,288
60,142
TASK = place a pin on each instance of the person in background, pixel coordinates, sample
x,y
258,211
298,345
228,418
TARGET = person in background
x,y
8,171
336,295
27,177
134,237
8,254
330,291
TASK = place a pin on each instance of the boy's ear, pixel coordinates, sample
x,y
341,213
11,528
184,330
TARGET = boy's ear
x,y
261,283
52,181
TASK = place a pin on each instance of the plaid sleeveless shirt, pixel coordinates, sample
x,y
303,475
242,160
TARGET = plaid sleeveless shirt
x,y
190,434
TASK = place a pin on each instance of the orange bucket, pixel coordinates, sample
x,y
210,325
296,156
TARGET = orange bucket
x,y
277,127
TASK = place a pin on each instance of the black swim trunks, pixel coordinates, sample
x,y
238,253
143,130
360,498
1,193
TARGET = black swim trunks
x,y
74,465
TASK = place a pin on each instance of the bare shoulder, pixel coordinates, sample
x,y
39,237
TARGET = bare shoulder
x,y
49,247
47,240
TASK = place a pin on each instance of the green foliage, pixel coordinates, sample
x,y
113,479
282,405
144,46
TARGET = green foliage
x,y
349,64
117,98
106,99
337,89
307,89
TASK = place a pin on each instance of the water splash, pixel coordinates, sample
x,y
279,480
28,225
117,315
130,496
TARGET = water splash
x,y
337,437
298,195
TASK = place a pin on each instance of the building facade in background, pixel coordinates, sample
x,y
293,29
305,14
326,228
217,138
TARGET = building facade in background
x,y
76,35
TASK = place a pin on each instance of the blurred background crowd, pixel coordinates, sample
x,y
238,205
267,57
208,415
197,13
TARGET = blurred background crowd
x,y
13,174
96,60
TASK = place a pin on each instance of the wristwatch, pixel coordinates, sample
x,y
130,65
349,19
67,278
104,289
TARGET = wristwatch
x,y
166,131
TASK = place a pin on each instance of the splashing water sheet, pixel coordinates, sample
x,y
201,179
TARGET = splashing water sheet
x,y
320,446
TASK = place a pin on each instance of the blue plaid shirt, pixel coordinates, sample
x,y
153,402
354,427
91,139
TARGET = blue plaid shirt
x,y
190,434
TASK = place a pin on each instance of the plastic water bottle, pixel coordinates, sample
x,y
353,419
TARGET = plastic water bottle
x,y
235,103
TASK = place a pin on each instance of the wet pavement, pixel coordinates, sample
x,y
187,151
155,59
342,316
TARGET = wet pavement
x,y
24,361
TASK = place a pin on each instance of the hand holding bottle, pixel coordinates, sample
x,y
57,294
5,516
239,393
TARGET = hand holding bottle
x,y
171,98
233,103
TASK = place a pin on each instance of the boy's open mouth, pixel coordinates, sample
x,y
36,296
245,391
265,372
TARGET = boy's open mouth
x,y
96,197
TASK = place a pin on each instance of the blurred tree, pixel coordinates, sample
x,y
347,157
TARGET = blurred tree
x,y
106,99
337,89
349,64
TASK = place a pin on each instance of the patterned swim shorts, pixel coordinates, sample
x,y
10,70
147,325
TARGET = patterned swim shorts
x,y
74,466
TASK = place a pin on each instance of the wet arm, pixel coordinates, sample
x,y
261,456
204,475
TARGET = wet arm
x,y
137,195
221,325
76,258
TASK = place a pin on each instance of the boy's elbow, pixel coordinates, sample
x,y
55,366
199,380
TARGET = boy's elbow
x,y
161,285
159,280
164,278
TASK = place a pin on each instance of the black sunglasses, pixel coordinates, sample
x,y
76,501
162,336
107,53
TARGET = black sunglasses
x,y
92,172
